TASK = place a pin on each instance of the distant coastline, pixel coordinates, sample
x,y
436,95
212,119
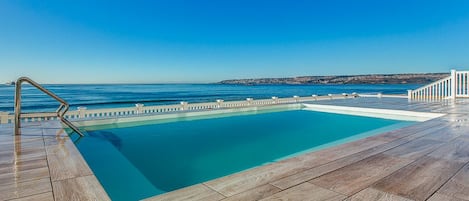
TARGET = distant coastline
x,y
411,78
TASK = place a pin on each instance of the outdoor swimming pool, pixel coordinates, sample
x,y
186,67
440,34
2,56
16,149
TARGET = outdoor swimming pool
x,y
136,162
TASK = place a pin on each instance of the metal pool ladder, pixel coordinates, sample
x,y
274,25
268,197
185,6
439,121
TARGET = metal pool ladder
x,y
63,108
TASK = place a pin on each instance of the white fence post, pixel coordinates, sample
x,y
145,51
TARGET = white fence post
x,y
297,98
275,99
453,84
219,103
4,117
249,100
81,112
183,105
409,94
139,108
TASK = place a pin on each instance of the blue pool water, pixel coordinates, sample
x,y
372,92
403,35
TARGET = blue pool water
x,y
137,162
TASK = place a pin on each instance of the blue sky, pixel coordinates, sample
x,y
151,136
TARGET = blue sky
x,y
93,41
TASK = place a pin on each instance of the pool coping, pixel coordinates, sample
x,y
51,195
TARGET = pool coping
x,y
403,115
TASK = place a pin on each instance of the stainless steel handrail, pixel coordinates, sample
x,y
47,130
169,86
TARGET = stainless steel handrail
x,y
63,108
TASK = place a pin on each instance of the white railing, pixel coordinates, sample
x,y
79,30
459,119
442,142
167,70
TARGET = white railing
x,y
440,89
454,86
82,113
462,84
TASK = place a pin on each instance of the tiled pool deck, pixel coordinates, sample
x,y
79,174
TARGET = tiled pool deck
x,y
43,164
425,161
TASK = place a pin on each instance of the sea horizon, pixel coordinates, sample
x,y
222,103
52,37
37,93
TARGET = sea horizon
x,y
95,96
244,78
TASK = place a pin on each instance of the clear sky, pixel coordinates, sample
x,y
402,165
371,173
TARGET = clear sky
x,y
152,41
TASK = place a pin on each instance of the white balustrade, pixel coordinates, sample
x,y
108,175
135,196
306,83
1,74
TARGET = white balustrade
x,y
441,89
462,84
141,109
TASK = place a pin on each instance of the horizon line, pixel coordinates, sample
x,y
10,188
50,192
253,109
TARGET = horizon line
x,y
218,82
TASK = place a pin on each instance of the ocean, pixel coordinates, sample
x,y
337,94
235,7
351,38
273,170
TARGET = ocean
x,y
95,96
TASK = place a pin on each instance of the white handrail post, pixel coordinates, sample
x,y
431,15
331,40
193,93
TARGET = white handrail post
x,y
275,99
4,117
409,94
249,100
219,103
297,98
81,112
453,84
139,108
184,105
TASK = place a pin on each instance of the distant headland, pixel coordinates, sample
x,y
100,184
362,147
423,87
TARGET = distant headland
x,y
413,78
